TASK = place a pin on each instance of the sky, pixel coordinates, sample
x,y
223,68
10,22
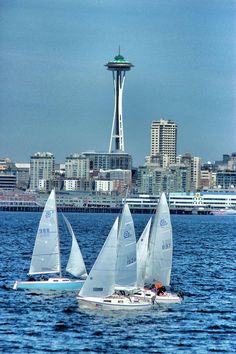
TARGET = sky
x,y
57,96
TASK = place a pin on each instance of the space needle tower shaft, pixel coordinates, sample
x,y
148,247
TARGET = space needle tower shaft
x,y
118,66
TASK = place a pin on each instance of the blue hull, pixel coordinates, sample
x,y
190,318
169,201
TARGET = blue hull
x,y
54,284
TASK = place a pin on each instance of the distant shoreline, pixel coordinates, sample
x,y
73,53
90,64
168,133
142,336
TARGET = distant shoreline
x,y
182,211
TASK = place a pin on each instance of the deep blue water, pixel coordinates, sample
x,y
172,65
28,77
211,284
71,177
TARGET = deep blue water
x,y
203,267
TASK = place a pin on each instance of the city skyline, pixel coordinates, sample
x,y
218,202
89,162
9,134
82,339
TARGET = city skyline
x,y
56,95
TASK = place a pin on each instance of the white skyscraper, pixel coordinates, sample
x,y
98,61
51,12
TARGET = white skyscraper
x,y
164,141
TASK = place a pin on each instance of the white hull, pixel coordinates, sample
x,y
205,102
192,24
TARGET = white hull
x,y
114,303
224,212
168,298
54,284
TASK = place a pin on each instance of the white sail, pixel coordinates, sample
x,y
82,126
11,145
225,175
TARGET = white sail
x,y
75,264
101,279
160,248
46,253
126,266
142,252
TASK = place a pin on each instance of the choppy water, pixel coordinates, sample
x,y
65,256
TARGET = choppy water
x,y
203,267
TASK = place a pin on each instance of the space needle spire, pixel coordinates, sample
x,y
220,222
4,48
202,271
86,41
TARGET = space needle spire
x,y
118,67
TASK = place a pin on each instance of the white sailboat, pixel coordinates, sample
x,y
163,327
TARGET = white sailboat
x,y
111,282
46,258
142,253
155,252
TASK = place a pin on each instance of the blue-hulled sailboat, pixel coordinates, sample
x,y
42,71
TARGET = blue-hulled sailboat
x,y
46,258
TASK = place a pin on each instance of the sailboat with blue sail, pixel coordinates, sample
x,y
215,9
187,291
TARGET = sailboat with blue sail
x,y
155,253
46,257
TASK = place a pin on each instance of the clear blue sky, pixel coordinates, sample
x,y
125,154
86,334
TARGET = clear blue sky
x,y
56,95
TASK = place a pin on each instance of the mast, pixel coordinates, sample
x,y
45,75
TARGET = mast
x,y
59,244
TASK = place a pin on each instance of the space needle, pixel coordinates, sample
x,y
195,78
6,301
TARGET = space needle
x,y
118,66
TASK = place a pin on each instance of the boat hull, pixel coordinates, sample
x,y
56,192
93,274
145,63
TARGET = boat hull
x,y
224,212
113,303
52,284
168,298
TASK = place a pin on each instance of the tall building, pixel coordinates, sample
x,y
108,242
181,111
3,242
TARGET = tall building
x,y
77,166
164,141
108,161
118,66
42,167
193,163
22,175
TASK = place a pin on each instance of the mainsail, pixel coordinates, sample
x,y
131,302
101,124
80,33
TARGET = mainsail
x,y
75,265
142,253
46,253
160,248
101,279
126,266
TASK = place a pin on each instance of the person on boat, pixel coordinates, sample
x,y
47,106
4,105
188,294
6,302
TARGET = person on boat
x,y
160,289
30,278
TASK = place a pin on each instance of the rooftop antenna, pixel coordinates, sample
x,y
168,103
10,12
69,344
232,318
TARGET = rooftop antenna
x,y
119,49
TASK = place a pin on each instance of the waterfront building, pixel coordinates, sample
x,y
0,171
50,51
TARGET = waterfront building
x,y
121,180
150,180
193,164
5,163
71,184
7,174
118,67
79,199
207,179
7,181
164,141
154,180
177,177
199,202
185,202
226,179
105,186
228,162
77,166
78,184
118,175
22,175
108,161
42,170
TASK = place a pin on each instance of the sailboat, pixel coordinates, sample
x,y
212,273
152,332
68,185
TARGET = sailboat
x,y
111,282
46,258
155,252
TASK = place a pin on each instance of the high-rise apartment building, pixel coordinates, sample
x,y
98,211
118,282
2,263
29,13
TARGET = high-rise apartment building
x,y
42,167
108,161
77,166
193,163
164,141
